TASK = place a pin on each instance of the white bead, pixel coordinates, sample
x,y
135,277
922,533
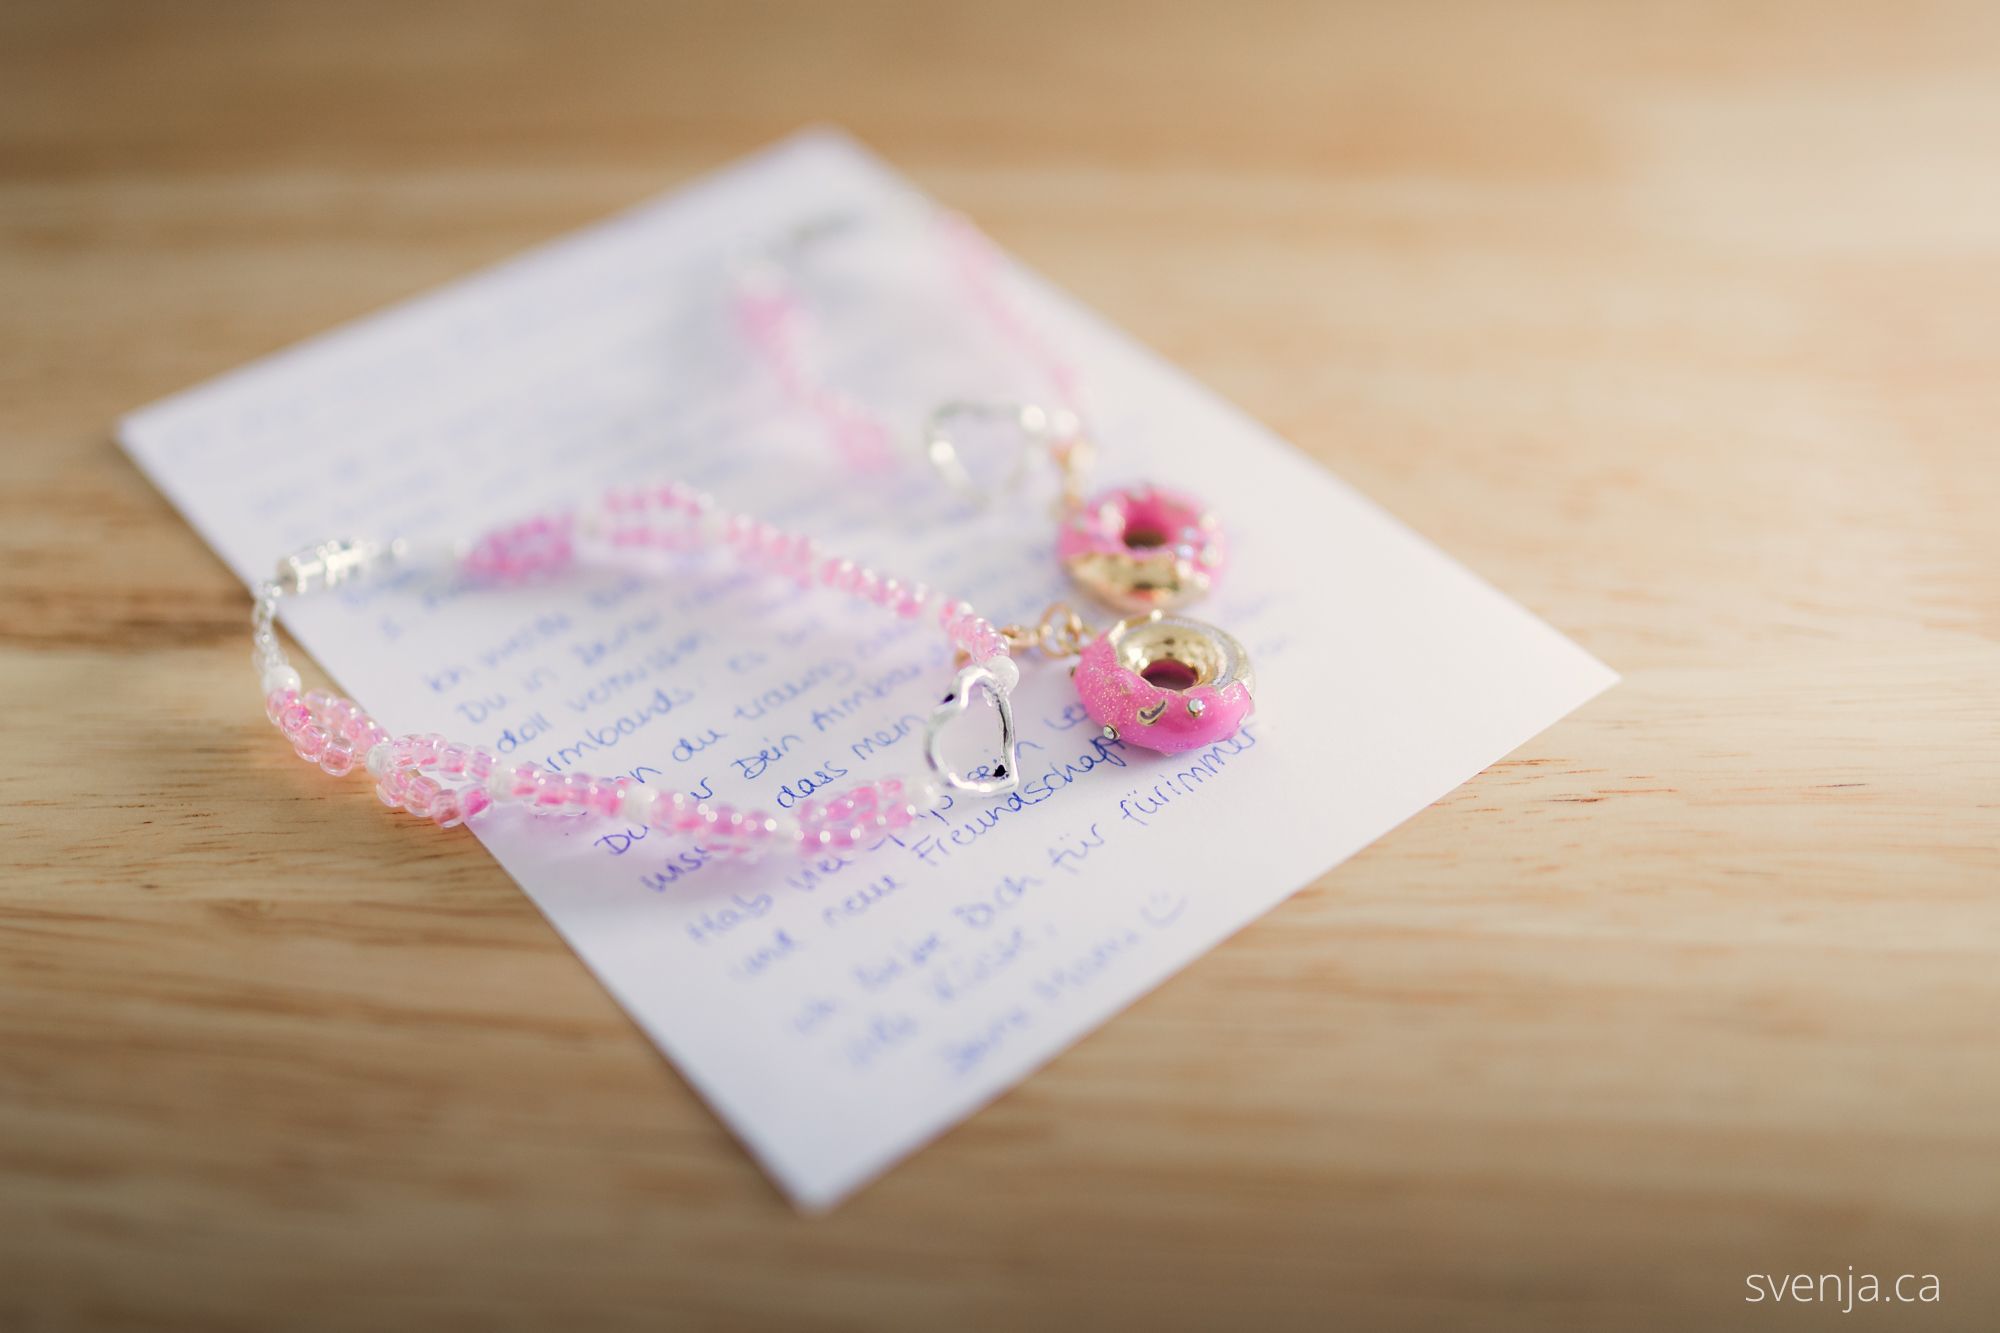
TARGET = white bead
x,y
1005,674
280,678
636,805
501,785
378,759
925,791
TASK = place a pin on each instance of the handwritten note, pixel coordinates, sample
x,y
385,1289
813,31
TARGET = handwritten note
x,y
841,1011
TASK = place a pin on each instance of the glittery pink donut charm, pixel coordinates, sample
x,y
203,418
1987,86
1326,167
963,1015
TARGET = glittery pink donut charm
x,y
1142,548
1165,682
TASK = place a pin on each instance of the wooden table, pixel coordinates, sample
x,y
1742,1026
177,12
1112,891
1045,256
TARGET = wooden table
x,y
1676,321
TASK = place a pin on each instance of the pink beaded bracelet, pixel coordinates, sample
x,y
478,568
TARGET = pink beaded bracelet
x,y
1159,681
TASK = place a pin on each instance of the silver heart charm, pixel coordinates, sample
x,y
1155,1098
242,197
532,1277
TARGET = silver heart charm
x,y
1006,774
1041,430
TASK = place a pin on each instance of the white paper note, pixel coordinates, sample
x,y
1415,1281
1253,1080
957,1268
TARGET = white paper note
x,y
839,1013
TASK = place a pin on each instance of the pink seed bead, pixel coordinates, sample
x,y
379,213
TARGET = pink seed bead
x,y
479,763
368,735
473,802
549,790
451,760
444,810
899,816
319,701
420,791
276,702
527,780
337,758
759,826
607,795
575,789
309,740
294,718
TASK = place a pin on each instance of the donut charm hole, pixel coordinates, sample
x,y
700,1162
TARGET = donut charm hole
x,y
1170,675
1166,683
1142,548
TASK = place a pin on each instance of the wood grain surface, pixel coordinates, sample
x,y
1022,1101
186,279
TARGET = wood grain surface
x,y
1680,322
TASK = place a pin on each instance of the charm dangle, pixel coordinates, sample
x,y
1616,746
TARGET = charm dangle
x,y
1142,548
1162,682
1055,431
1134,548
996,678
1166,682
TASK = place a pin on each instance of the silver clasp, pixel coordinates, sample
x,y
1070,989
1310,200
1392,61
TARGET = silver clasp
x,y
331,563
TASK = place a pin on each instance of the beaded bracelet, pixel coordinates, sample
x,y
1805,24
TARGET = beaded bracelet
x,y
1160,681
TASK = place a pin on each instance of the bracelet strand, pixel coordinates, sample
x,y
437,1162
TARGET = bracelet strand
x,y
450,783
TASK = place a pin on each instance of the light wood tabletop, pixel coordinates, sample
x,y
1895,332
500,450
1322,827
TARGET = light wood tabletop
x,y
1679,322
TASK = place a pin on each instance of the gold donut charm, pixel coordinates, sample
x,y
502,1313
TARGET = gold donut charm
x,y
1142,548
1165,682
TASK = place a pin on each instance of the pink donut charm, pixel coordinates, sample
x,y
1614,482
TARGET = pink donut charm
x,y
1165,682
1142,548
